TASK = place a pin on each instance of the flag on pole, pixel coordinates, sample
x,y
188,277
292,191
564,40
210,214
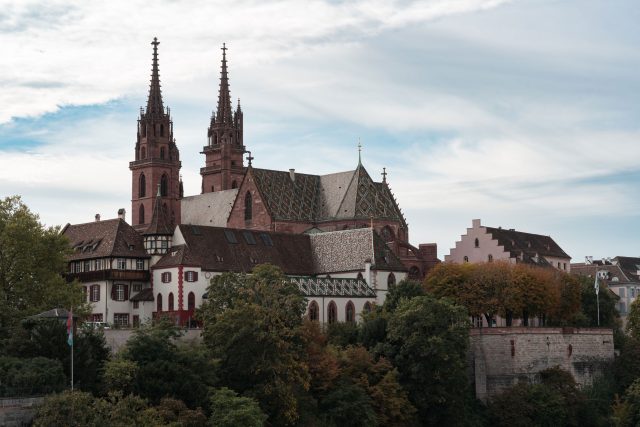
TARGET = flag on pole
x,y
70,329
596,287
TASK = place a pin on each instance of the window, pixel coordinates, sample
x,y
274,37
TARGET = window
x,y
234,184
248,206
477,243
466,258
97,317
137,287
85,293
170,302
121,319
632,292
191,301
314,312
94,293
121,264
490,258
367,307
622,292
248,237
391,281
332,312
77,267
141,215
350,312
86,266
166,277
266,239
120,292
564,265
558,265
136,305
414,272
191,276
144,153
139,264
162,130
161,153
164,185
230,236
97,264
387,234
136,321
159,303
142,186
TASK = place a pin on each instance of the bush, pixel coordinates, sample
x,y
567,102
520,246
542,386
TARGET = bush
x,y
29,377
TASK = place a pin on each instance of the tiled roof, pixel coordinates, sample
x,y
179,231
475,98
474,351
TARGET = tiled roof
x,y
108,238
210,209
143,295
630,266
526,245
160,224
224,249
343,195
591,269
348,250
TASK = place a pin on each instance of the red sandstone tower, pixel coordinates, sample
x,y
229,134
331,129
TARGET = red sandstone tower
x,y
224,163
157,164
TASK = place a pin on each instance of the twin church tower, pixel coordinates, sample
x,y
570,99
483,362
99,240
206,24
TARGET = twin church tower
x,y
155,171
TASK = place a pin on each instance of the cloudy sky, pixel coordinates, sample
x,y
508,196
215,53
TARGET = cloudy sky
x,y
524,113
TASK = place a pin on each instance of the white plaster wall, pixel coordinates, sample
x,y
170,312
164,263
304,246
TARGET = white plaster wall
x,y
341,304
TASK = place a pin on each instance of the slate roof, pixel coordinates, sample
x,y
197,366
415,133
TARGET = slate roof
x,y
348,250
108,238
210,209
527,245
160,224
211,249
590,270
315,198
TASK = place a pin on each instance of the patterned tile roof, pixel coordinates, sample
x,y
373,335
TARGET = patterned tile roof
x,y
344,195
348,250
333,287
108,238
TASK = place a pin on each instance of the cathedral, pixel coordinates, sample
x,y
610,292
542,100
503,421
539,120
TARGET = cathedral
x,y
342,237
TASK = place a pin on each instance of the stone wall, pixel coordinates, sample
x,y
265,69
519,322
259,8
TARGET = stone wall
x,y
502,357
19,411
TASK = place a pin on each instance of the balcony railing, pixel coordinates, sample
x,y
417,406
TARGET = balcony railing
x,y
92,276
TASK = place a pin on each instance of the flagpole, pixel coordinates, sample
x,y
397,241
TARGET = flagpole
x,y
71,365
597,289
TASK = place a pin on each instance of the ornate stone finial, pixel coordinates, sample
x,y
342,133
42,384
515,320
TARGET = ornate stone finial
x,y
384,175
250,158
359,152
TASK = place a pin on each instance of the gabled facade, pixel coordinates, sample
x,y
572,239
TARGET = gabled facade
x,y
488,244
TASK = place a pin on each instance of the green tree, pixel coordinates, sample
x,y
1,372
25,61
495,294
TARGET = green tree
x,y
253,326
527,405
32,261
633,319
609,316
427,341
120,374
406,289
348,405
28,377
230,410
69,408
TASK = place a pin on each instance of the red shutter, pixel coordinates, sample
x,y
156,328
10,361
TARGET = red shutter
x,y
126,292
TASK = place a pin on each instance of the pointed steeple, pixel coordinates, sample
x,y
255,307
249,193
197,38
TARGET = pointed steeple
x,y
154,103
224,113
160,224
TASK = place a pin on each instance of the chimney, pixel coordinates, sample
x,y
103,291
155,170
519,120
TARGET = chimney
x,y
292,175
122,214
475,223
97,217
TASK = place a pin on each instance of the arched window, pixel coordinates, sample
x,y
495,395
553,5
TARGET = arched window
x,y
360,276
414,272
314,312
350,312
367,307
142,186
387,234
332,312
391,280
162,153
234,184
477,243
143,153
248,206
161,130
170,302
191,301
164,185
466,258
141,215
490,258
159,303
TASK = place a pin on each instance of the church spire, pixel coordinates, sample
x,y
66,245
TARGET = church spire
x,y
154,103
224,113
